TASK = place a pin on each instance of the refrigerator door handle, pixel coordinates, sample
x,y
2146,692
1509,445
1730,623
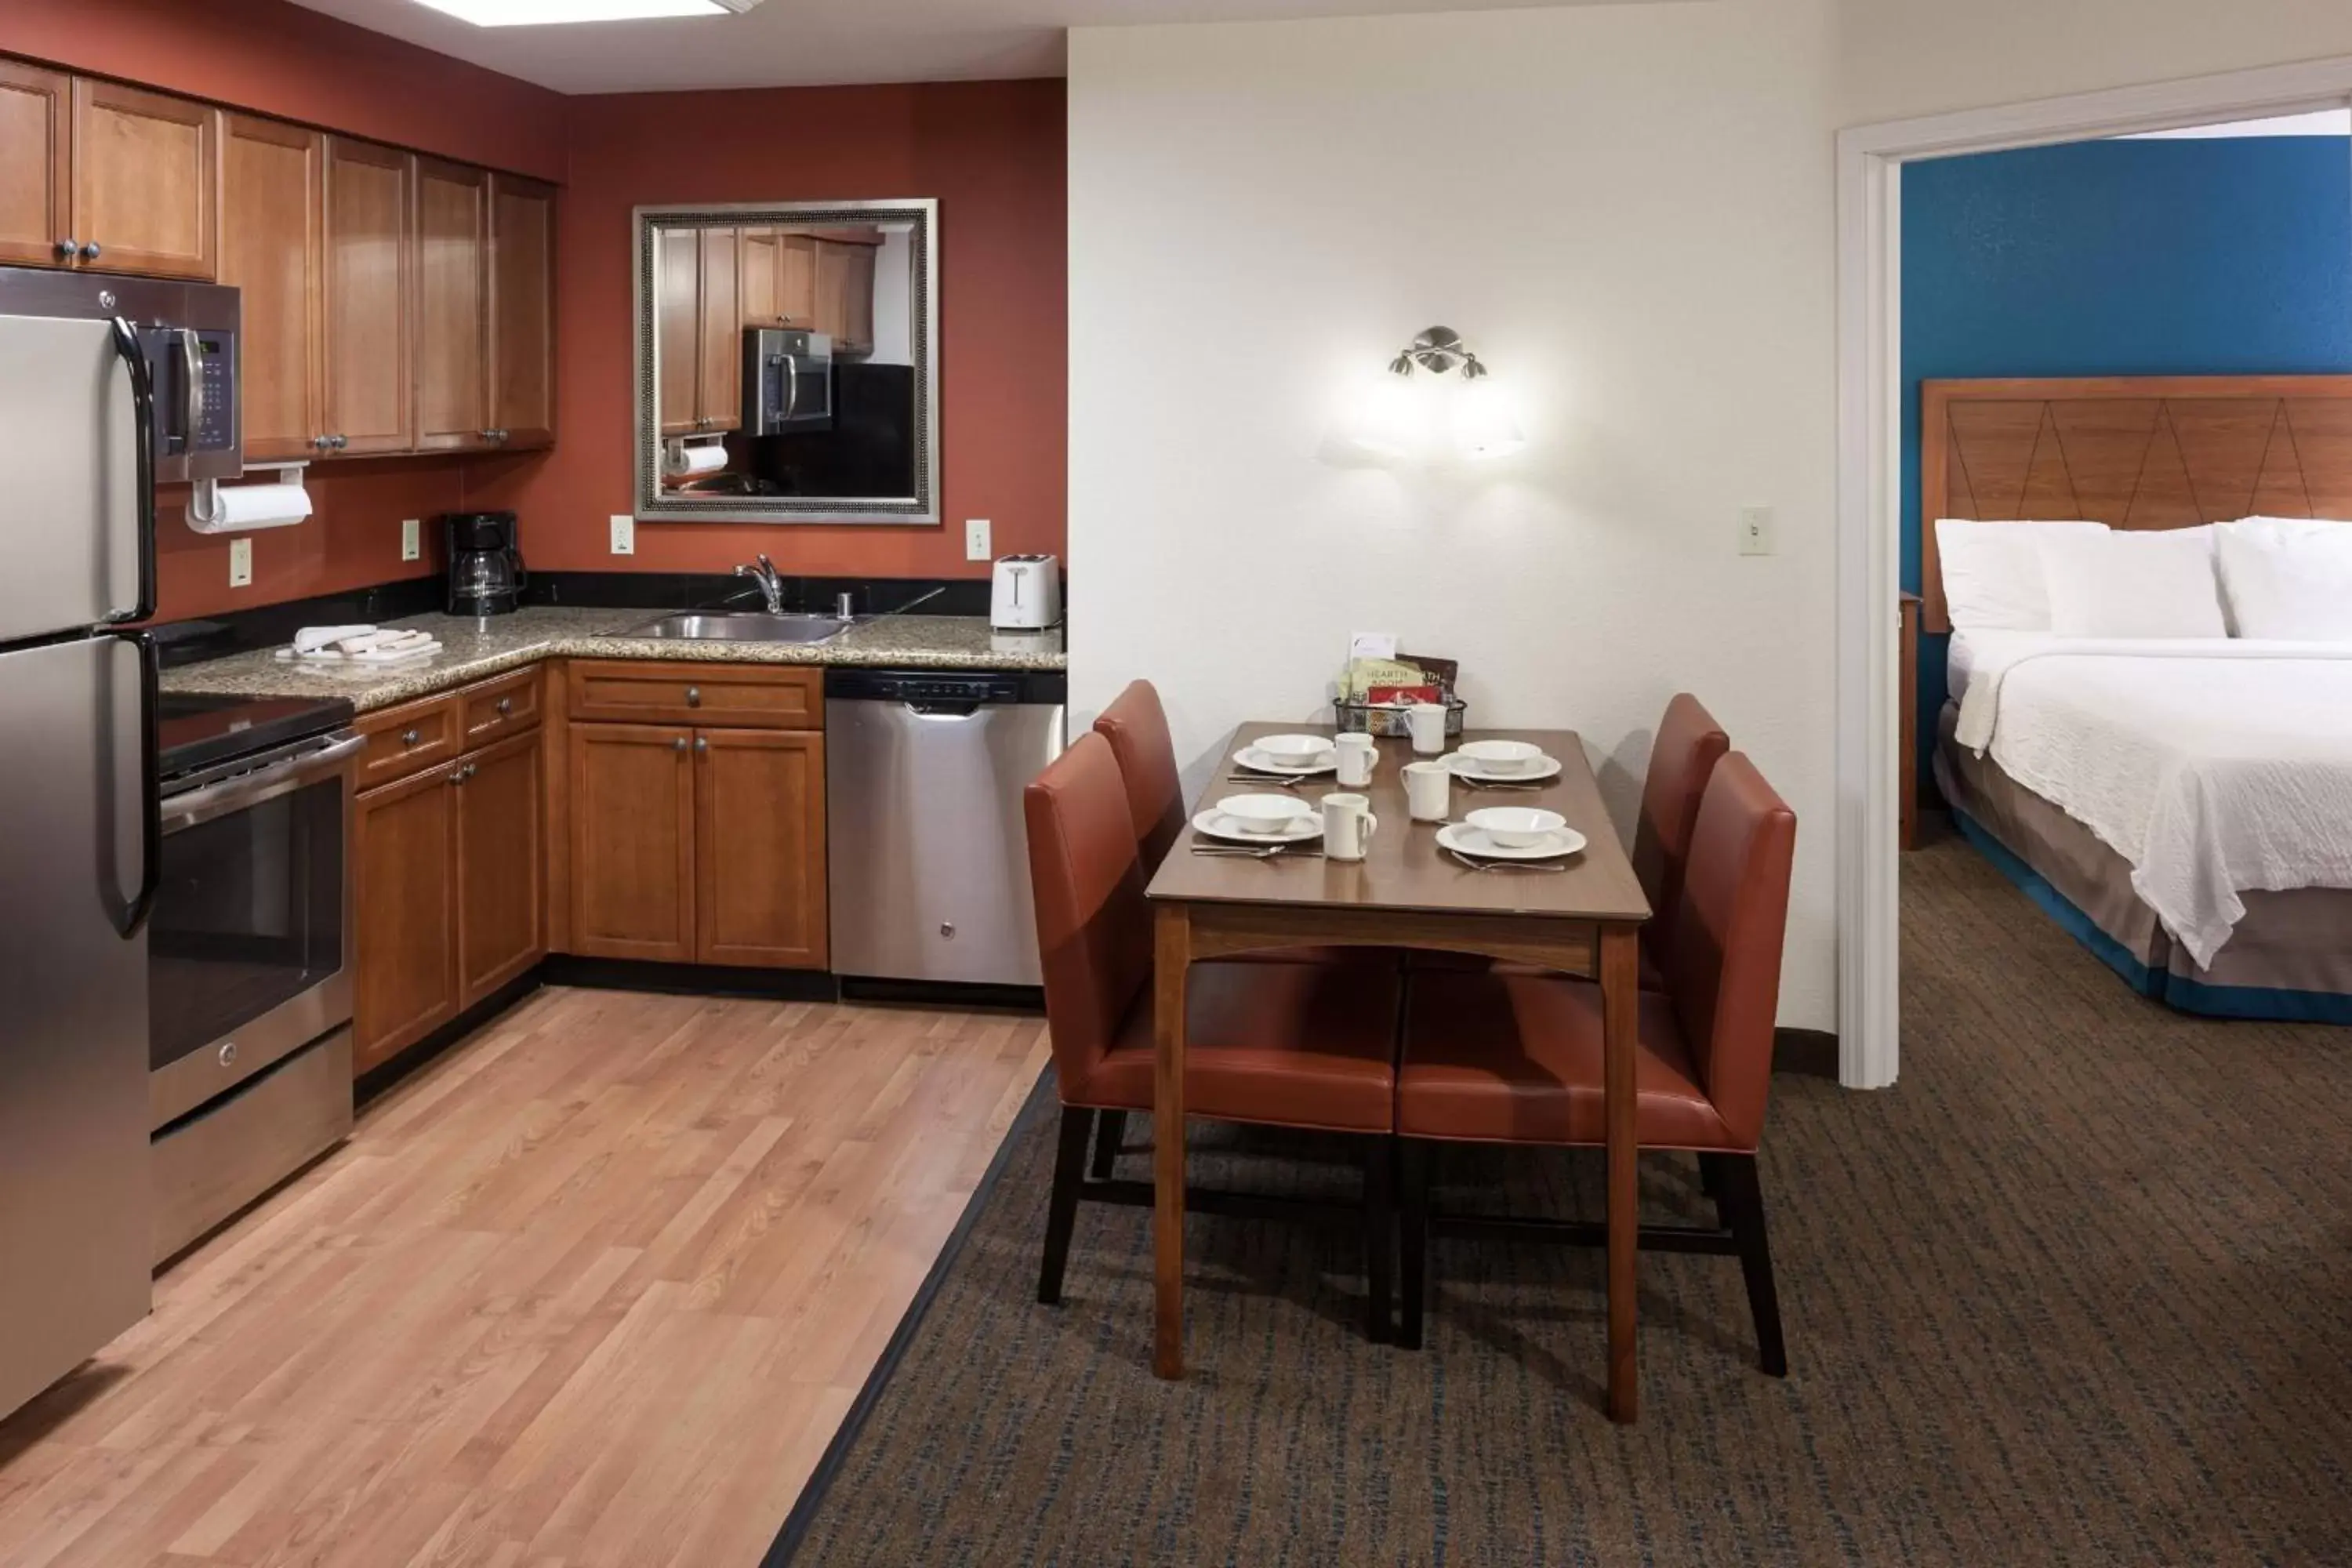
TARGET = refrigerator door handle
x,y
142,404
128,916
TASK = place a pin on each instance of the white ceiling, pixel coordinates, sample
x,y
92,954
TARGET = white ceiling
x,y
798,43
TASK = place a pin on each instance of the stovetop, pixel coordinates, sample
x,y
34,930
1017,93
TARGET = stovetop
x,y
197,731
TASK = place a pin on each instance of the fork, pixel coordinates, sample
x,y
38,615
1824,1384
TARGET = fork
x,y
1269,852
1280,780
1476,865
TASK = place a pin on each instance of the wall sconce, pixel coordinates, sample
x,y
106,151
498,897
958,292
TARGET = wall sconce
x,y
1468,417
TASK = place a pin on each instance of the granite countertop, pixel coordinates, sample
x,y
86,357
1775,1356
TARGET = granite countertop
x,y
471,649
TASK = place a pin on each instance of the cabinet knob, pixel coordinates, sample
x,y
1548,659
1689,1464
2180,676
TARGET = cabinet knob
x,y
694,697
324,442
499,435
342,442
471,770
409,737
700,744
67,248
679,744
89,252
506,706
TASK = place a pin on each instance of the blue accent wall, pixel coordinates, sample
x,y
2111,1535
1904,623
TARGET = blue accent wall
x,y
2177,256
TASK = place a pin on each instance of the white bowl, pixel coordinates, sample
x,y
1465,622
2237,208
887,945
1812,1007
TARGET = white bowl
x,y
1500,756
1293,751
1267,814
1515,826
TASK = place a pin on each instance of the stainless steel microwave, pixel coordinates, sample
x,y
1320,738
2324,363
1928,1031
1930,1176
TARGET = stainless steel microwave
x,y
787,381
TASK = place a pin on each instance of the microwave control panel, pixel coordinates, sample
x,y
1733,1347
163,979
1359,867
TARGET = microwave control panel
x,y
216,400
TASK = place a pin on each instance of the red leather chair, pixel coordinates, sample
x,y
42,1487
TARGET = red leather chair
x,y
1286,1045
1517,1058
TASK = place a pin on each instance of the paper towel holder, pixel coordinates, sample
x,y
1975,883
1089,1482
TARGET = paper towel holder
x,y
203,495
674,450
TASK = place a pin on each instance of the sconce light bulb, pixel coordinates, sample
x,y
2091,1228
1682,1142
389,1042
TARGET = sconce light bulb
x,y
1485,425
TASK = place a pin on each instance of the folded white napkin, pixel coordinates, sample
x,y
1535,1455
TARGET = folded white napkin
x,y
359,645
310,639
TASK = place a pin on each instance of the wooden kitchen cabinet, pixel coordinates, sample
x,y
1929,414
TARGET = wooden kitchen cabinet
x,y
522,312
757,267
845,294
272,250
146,177
35,166
720,379
678,330
796,282
404,890
366,319
501,889
631,800
452,224
759,865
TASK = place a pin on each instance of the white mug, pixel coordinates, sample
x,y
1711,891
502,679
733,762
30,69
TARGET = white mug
x,y
1348,827
1356,757
1428,791
1428,724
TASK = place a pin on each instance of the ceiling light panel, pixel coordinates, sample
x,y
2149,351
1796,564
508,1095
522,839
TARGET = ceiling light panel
x,y
547,13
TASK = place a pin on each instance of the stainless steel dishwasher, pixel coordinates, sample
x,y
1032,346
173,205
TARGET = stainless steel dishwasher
x,y
927,855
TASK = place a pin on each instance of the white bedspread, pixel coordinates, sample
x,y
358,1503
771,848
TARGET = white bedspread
x,y
2214,767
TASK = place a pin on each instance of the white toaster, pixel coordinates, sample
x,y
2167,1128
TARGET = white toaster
x,y
1028,594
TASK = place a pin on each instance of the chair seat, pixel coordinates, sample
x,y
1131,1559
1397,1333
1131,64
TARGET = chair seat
x,y
1517,1058
1288,1044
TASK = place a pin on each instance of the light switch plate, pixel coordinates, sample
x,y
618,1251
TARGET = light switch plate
x,y
625,534
411,539
240,563
1755,532
975,539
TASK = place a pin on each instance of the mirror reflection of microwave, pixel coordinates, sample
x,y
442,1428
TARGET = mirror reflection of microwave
x,y
787,381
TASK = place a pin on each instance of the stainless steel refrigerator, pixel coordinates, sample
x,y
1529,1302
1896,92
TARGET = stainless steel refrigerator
x,y
107,385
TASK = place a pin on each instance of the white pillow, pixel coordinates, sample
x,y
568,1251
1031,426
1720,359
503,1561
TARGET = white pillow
x,y
2156,584
2288,577
1993,577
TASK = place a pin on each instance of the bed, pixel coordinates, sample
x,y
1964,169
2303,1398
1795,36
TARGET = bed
x,y
2184,808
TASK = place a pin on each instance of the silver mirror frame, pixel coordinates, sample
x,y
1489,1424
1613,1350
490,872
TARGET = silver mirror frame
x,y
923,506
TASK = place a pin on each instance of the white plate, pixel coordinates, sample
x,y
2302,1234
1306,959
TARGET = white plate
x,y
1248,757
1217,825
1464,768
1467,841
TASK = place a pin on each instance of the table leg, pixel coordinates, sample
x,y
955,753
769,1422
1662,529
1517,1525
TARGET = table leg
x,y
1621,987
1173,953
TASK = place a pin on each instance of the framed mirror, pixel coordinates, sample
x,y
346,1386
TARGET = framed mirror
x,y
787,362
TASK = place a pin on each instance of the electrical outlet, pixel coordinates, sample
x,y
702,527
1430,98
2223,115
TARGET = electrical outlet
x,y
625,534
1756,530
411,539
975,539
240,563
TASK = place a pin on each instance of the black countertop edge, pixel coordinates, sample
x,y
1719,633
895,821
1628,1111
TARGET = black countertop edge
x,y
270,625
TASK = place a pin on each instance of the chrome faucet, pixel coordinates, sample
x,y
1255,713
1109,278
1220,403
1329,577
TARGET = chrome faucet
x,y
762,571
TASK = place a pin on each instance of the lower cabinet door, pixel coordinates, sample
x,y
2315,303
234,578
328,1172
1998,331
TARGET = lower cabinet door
x,y
632,805
759,819
405,895
501,906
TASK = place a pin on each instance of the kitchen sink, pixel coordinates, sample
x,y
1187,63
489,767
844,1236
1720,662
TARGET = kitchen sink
x,y
748,626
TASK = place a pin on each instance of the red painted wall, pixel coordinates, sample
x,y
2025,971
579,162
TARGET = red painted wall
x,y
993,155
275,58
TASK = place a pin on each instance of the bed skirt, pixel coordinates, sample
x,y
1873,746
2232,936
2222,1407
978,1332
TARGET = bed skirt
x,y
2289,958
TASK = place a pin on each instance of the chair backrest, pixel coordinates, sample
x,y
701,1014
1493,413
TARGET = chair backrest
x,y
1094,930
1689,745
1135,725
1723,956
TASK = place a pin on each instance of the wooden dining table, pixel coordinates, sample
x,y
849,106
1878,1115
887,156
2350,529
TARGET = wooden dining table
x,y
1407,892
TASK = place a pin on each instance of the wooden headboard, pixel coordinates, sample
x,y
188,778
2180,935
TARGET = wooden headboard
x,y
2130,452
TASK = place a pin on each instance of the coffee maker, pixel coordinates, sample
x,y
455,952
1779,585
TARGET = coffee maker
x,y
485,574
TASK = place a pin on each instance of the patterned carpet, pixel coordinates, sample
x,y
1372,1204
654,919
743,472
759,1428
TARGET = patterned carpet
x,y
2075,1290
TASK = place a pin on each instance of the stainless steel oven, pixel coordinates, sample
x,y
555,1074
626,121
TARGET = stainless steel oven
x,y
250,955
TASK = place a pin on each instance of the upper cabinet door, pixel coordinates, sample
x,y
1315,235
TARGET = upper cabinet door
x,y
146,167
759,272
522,312
678,275
272,249
845,294
722,332
453,245
35,166
796,282
366,336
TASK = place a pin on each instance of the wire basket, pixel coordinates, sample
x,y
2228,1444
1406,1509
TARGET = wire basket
x,y
1392,723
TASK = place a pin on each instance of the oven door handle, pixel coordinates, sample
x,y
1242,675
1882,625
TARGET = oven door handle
x,y
200,806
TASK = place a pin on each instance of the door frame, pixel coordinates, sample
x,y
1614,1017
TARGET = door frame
x,y
1869,472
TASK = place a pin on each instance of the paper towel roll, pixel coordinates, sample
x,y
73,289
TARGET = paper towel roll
x,y
695,460
234,509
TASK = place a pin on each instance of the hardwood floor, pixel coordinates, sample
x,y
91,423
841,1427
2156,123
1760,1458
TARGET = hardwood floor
x,y
595,1287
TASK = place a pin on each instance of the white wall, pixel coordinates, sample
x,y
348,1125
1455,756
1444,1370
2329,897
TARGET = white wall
x,y
894,302
1628,211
